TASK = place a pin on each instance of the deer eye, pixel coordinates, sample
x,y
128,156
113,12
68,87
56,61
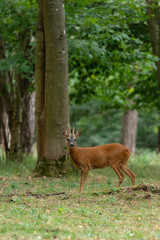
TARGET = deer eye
x,y
68,139
75,140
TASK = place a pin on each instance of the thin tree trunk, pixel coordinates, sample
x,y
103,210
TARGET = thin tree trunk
x,y
40,79
15,148
129,129
4,126
158,140
17,110
52,101
5,104
28,123
153,11
6,134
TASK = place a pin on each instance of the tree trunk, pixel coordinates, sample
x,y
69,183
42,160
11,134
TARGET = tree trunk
x,y
129,129
153,11
15,148
17,121
40,78
4,123
6,100
28,123
158,141
52,103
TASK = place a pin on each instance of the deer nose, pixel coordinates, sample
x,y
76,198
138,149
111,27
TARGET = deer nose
x,y
71,145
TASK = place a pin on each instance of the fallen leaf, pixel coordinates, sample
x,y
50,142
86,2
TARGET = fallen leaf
x,y
48,211
156,227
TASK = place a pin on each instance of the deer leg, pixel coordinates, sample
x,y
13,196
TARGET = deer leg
x,y
119,174
84,174
126,169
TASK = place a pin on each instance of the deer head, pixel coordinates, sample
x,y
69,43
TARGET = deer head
x,y
71,136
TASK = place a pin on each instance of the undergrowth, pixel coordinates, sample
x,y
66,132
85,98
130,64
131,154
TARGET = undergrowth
x,y
14,168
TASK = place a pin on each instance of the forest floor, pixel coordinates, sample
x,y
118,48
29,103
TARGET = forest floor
x,y
53,208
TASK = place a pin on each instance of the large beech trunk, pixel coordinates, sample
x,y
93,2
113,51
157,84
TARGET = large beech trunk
x,y
129,129
52,102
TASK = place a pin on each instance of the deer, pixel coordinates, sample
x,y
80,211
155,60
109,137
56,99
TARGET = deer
x,y
113,155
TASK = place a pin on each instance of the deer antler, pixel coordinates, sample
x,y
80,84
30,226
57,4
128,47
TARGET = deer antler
x,y
73,130
69,129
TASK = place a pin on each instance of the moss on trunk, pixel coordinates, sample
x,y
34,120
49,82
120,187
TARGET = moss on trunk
x,y
54,167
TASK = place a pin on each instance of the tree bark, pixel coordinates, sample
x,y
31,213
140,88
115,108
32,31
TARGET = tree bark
x,y
17,119
15,148
4,123
15,152
52,102
129,129
153,11
28,123
40,78
5,104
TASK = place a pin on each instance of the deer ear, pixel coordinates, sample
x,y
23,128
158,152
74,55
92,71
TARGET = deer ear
x,y
65,133
78,133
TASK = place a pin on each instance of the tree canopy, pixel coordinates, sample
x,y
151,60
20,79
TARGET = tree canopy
x,y
110,54
17,27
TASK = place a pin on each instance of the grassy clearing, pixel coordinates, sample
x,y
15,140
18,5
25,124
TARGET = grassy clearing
x,y
30,210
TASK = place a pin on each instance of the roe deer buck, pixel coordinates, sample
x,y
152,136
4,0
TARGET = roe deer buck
x,y
113,155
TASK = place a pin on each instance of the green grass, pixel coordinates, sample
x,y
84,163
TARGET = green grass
x,y
30,210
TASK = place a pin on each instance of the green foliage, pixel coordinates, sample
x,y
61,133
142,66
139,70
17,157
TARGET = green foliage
x,y
110,63
17,50
109,51
110,54
17,27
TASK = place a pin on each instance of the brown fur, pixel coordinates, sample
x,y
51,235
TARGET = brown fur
x,y
113,155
